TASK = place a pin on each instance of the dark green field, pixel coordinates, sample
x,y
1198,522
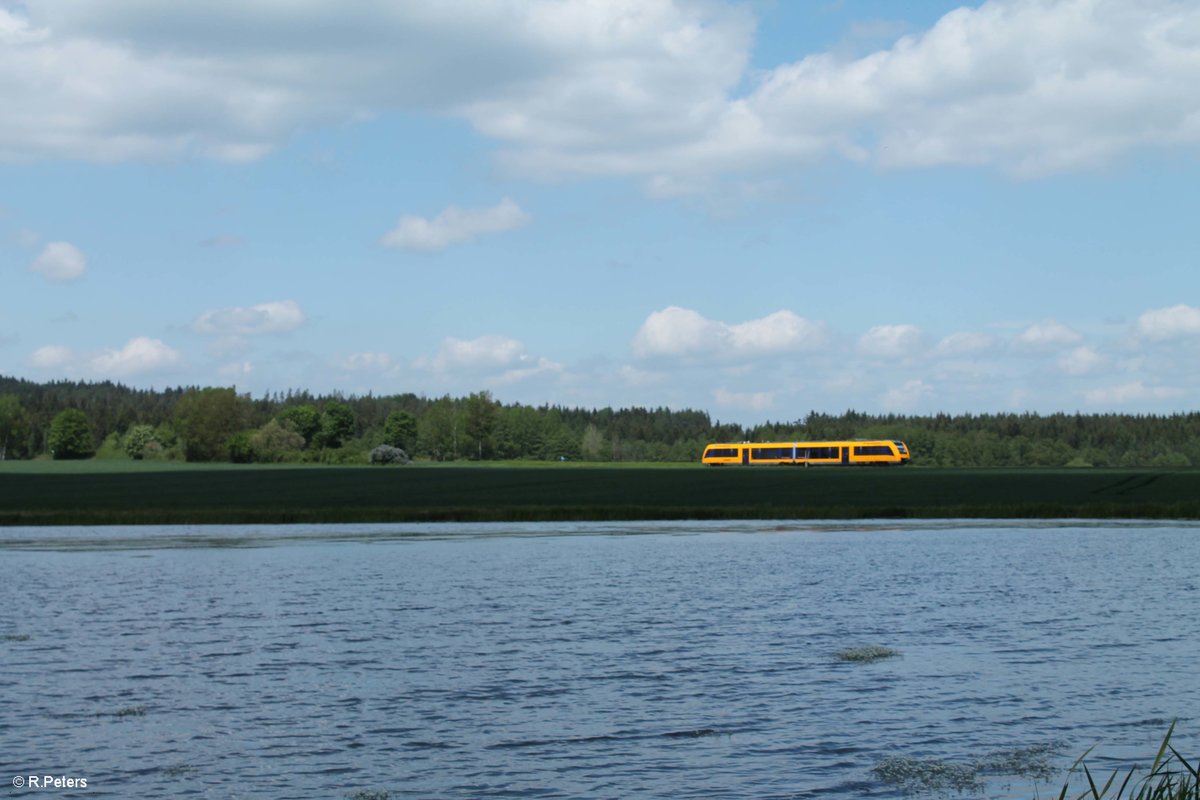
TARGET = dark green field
x,y
99,493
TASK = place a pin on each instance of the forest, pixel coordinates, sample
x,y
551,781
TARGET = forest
x,y
79,420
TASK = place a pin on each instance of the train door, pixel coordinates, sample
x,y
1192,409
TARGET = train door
x,y
746,456
845,455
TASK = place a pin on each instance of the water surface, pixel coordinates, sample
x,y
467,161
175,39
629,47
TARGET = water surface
x,y
602,660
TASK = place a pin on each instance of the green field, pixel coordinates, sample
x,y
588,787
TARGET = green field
x,y
118,492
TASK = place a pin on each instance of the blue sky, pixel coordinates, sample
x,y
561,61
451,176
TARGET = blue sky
x,y
755,209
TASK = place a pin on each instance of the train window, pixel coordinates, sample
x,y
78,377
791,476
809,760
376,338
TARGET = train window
x,y
873,450
721,452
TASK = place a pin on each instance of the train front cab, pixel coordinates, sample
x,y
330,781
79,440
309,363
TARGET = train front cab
x,y
881,453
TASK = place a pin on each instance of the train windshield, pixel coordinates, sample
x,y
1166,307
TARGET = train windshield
x,y
900,446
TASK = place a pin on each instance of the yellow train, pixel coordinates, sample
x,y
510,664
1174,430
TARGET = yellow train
x,y
847,452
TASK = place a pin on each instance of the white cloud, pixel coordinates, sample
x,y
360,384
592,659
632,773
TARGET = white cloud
x,y
1136,392
745,401
529,368
366,362
51,356
236,369
1169,323
676,332
138,356
907,397
632,376
1047,335
277,317
485,352
454,225
1080,361
891,341
60,262
495,360
964,343
656,89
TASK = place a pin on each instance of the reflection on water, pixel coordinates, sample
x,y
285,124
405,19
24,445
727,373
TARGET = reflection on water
x,y
566,660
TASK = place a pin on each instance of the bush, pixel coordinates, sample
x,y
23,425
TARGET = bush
x,y
136,440
241,449
386,454
274,442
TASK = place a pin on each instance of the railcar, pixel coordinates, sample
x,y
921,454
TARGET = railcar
x,y
846,452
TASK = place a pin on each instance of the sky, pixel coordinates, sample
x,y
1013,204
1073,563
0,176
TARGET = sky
x,y
756,209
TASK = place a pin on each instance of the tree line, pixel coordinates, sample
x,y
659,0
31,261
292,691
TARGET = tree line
x,y
68,419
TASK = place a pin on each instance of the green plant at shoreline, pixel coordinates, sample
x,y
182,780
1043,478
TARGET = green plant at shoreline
x,y
1171,777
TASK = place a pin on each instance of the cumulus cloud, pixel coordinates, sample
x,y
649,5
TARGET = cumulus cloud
x,y
746,401
964,343
235,369
658,89
676,332
485,352
60,262
908,396
276,317
51,356
1127,393
138,356
366,362
1047,335
503,359
891,341
1080,361
1169,323
454,225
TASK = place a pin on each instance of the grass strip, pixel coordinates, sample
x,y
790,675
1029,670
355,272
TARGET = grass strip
x,y
231,494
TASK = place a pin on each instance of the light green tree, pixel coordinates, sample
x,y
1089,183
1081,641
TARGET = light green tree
x,y
136,440
480,421
592,445
439,428
274,442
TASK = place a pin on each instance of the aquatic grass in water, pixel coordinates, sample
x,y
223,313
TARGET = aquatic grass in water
x,y
1171,777
927,775
938,776
121,713
371,794
867,653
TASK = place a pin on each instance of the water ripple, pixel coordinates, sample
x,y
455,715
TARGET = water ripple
x,y
739,660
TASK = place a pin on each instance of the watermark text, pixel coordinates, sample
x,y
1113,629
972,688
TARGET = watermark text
x,y
49,782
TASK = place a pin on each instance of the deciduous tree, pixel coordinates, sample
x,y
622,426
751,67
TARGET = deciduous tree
x,y
206,418
14,425
71,435
400,430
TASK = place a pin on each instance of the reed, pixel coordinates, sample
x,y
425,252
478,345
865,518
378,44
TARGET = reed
x,y
1171,777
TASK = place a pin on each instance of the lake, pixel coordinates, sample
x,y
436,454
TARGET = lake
x,y
594,660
